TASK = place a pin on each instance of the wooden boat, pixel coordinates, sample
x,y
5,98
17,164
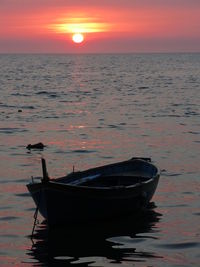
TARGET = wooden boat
x,y
96,194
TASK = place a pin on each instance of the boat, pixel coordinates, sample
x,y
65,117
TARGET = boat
x,y
98,193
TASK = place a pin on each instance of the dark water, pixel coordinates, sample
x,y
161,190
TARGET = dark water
x,y
92,110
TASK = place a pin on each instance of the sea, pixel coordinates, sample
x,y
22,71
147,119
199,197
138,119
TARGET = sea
x,y
90,110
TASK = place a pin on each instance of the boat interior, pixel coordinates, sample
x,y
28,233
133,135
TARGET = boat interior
x,y
114,180
112,175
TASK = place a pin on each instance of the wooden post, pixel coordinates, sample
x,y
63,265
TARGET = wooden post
x,y
44,170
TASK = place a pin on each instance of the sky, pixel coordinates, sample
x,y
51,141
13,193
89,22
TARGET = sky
x,y
118,26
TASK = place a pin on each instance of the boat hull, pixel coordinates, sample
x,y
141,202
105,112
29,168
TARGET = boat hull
x,y
62,203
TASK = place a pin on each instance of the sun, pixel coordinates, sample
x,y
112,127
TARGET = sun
x,y
78,38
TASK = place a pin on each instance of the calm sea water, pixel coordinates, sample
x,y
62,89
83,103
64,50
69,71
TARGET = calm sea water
x,y
91,110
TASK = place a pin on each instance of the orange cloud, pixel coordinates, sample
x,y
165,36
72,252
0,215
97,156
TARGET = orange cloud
x,y
77,25
85,22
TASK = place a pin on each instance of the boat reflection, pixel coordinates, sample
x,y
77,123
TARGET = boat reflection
x,y
87,244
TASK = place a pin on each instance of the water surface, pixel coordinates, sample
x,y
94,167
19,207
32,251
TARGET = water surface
x,y
91,110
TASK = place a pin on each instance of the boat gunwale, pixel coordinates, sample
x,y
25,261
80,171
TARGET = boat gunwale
x,y
57,184
107,187
53,184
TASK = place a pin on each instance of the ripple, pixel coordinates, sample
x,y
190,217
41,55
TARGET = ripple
x,y
30,209
83,151
191,113
143,87
184,245
52,117
5,208
21,181
42,93
175,206
197,213
49,94
23,195
192,132
11,130
63,258
113,126
107,157
171,174
19,94
9,236
8,218
7,106
27,107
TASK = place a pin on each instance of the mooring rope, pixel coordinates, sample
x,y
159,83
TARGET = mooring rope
x,y
36,221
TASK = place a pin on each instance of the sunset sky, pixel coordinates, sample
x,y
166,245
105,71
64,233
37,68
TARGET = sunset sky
x,y
47,26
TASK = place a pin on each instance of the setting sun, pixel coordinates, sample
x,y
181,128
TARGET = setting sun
x,y
78,26
78,38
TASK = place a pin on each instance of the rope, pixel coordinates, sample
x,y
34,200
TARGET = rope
x,y
36,221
